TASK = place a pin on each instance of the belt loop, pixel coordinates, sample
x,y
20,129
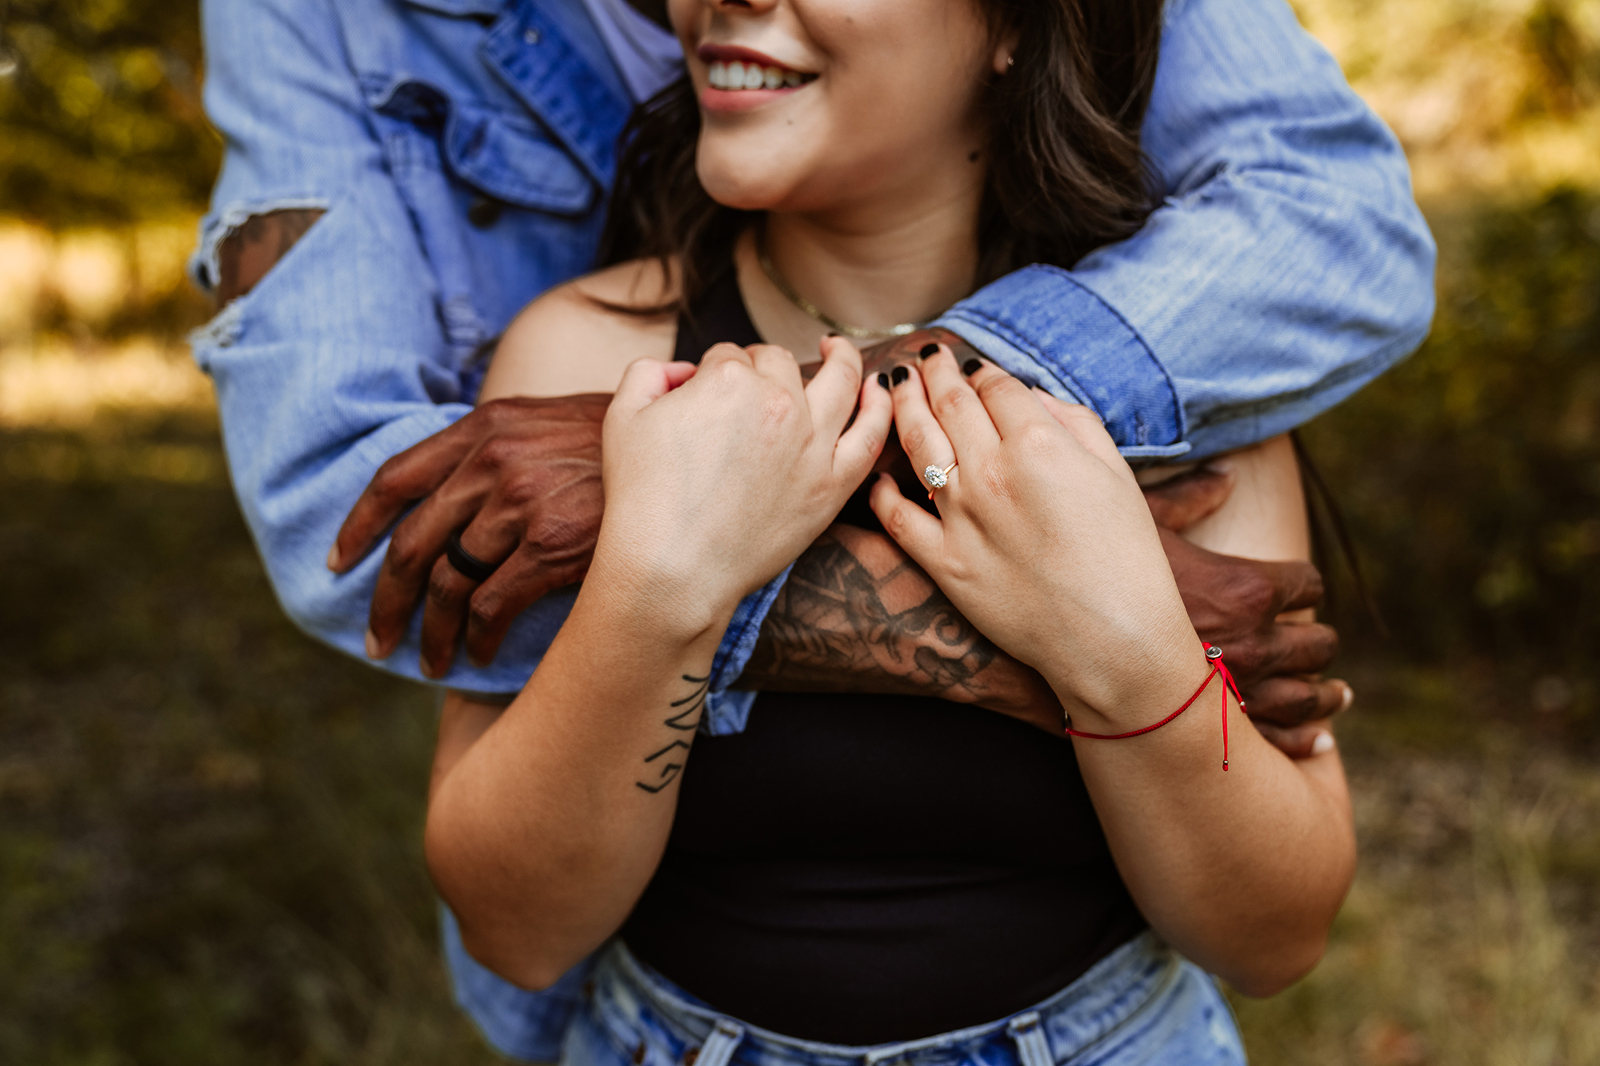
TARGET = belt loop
x,y
721,1044
1032,1046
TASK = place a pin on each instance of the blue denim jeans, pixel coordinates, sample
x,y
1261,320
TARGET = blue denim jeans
x,y
1140,1004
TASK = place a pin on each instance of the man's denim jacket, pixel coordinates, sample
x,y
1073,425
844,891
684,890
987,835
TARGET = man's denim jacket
x,y
462,150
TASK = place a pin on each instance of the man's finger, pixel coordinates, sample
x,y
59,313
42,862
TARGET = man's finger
x,y
517,584
443,616
1292,701
1296,585
417,543
1298,742
1180,502
1299,648
404,479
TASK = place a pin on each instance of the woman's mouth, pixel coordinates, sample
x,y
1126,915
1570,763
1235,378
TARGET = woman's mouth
x,y
734,76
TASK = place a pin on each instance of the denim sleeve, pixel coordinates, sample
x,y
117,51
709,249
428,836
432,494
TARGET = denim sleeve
x,y
1287,265
338,359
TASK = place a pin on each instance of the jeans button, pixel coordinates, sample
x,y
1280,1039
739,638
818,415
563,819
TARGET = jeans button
x,y
484,212
531,36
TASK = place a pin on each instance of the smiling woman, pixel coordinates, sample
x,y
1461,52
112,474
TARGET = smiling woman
x,y
855,872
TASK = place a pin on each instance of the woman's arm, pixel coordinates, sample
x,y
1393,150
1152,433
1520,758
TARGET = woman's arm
x,y
545,823
1241,870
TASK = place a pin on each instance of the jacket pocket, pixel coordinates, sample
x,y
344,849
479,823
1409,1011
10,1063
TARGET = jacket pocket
x,y
513,161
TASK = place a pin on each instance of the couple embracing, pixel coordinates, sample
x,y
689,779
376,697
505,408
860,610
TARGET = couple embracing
x,y
999,799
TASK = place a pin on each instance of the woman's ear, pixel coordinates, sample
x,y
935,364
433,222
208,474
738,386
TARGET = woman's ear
x,y
1005,50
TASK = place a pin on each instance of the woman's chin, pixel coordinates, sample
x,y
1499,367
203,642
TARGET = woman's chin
x,y
745,192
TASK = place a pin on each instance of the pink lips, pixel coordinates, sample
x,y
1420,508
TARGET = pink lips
x,y
736,100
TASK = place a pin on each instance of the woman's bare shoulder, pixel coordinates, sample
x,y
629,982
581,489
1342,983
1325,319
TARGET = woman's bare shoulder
x,y
576,339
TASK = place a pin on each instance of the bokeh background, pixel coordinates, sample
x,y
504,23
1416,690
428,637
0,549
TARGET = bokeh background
x,y
209,825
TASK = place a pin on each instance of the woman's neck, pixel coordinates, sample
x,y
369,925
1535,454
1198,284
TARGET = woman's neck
x,y
874,265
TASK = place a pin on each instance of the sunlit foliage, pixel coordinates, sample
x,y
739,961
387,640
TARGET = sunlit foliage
x,y
100,116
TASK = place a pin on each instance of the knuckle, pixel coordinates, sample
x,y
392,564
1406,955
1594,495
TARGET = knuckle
x,y
778,406
914,438
444,589
1305,706
949,402
497,454
485,610
1036,439
1253,591
405,551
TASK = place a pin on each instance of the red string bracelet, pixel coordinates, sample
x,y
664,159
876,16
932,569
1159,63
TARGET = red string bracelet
x,y
1214,655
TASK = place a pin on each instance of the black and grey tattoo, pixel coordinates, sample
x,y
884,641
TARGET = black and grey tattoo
x,y
667,763
837,626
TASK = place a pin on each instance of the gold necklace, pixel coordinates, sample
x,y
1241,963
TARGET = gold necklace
x,y
860,333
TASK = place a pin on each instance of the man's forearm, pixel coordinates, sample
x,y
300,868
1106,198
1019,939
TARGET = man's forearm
x,y
857,615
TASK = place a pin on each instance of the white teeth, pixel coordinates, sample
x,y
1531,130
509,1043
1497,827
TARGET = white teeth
x,y
736,75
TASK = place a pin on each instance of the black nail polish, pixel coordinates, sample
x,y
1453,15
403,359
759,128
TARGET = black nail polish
x,y
971,367
900,374
928,349
883,381
833,333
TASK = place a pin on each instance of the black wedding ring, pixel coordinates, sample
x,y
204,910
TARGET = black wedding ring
x,y
467,565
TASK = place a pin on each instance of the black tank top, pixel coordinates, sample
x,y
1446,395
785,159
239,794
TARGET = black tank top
x,y
859,869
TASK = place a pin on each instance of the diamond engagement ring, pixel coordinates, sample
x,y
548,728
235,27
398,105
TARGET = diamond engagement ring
x,y
936,478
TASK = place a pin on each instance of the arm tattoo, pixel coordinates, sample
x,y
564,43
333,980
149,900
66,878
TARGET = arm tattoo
x,y
661,762
255,248
839,626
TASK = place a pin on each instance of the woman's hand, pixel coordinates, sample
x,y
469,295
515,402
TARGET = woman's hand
x,y
1044,539
716,478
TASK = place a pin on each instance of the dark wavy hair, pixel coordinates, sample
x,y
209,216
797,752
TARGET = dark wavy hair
x,y
1065,176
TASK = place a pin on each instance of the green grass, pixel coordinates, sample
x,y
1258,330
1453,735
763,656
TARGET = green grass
x,y
210,840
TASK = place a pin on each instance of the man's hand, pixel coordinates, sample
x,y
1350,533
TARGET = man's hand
x,y
857,615
1235,604
520,478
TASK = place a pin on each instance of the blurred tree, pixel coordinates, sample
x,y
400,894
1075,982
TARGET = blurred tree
x,y
1471,472
100,115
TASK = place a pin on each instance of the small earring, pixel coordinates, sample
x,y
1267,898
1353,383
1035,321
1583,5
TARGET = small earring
x,y
1011,61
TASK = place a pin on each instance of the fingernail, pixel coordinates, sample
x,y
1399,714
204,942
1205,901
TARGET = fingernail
x,y
333,557
971,367
431,671
900,374
883,381
1323,744
374,651
928,349
1349,698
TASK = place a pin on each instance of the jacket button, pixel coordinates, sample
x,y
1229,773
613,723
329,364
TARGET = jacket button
x,y
484,212
690,1056
531,36
638,1054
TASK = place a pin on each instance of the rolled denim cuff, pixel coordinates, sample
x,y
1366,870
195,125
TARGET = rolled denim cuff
x,y
727,709
1040,325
